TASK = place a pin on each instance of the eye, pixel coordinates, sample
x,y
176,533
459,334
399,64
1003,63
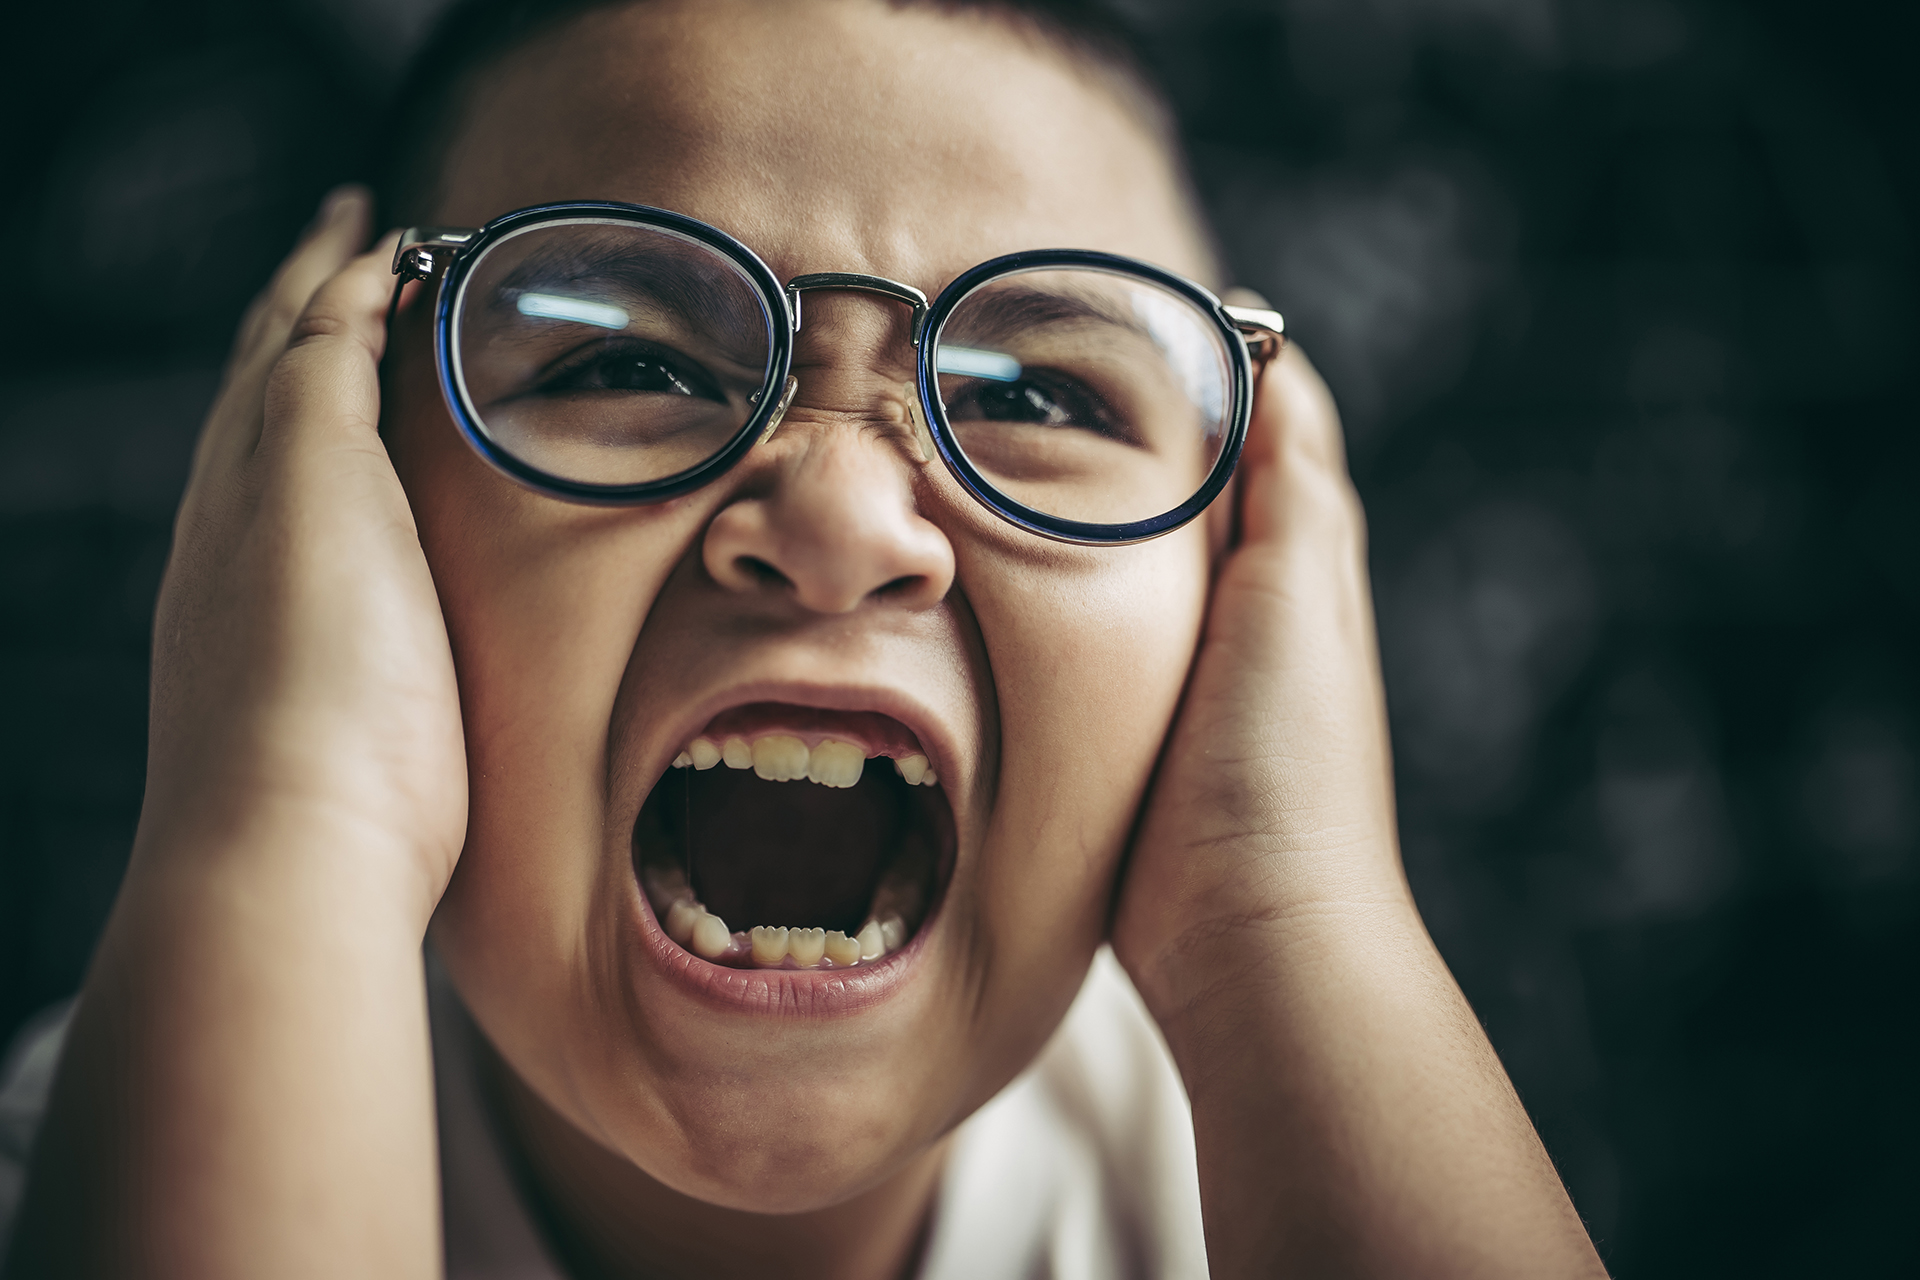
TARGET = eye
x,y
1037,398
630,366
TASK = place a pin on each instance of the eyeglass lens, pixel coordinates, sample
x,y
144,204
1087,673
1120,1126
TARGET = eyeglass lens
x,y
1086,394
611,353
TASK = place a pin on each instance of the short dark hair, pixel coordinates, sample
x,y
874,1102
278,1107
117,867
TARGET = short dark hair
x,y
471,35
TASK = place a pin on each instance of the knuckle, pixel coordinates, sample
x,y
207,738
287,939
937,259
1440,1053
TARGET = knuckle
x,y
290,374
318,323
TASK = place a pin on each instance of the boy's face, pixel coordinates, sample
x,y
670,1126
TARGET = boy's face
x,y
834,583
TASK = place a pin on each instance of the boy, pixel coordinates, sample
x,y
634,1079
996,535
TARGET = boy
x,y
395,684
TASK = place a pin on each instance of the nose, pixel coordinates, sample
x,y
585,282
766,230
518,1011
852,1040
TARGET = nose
x,y
830,521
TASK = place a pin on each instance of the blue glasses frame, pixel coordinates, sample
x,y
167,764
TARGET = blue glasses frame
x,y
1253,336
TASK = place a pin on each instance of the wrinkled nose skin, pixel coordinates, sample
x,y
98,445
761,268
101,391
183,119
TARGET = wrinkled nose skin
x,y
831,520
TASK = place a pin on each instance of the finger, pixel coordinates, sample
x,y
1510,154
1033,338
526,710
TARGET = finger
x,y
1294,466
338,231
325,389
233,426
1298,411
1293,601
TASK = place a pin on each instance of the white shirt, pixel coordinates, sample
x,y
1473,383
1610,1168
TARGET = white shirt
x,y
1082,1169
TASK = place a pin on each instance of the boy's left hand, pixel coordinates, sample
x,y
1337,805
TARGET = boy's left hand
x,y
1349,1115
1275,793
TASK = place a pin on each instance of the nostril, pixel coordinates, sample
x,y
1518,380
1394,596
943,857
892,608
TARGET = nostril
x,y
761,572
835,528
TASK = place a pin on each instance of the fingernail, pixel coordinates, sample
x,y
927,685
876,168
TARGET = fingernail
x,y
322,216
342,199
334,205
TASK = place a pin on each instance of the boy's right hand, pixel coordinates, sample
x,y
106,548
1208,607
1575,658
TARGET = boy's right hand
x,y
247,1083
302,678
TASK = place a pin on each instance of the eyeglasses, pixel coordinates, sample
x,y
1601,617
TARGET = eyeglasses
x,y
616,354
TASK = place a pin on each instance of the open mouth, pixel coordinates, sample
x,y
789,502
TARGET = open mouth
x,y
790,837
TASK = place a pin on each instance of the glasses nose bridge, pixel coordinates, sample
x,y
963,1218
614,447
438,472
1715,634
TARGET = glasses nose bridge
x,y
862,284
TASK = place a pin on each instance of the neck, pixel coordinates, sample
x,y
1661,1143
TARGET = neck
x,y
604,1217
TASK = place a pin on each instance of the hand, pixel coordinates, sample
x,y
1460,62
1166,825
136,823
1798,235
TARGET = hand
x,y
1275,793
248,1071
302,677
1349,1115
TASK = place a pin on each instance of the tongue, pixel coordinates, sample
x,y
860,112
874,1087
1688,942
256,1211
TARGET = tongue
x,y
776,853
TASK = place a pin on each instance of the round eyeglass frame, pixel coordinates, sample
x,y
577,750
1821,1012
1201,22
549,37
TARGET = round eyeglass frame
x,y
419,257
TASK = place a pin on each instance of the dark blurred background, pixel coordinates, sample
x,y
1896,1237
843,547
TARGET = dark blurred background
x,y
1618,297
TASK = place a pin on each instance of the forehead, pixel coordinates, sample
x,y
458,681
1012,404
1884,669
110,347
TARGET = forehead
x,y
828,135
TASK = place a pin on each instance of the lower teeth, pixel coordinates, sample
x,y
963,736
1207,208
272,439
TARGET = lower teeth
x,y
692,926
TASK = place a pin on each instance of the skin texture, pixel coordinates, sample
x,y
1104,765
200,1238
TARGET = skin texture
x,y
389,691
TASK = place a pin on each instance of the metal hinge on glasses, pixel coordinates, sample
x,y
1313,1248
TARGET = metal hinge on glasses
x,y
1262,330
424,252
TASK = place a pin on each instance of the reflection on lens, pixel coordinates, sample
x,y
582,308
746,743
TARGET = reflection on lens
x,y
1086,394
603,352
547,306
970,362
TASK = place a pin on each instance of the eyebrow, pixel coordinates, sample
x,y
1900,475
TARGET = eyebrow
x,y
705,295
1011,308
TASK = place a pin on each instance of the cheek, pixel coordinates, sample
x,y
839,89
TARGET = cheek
x,y
1089,655
543,601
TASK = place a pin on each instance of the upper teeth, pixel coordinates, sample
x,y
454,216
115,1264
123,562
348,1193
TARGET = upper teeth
x,y
781,757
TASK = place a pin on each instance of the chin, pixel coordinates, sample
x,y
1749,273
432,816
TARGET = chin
x,y
791,1150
